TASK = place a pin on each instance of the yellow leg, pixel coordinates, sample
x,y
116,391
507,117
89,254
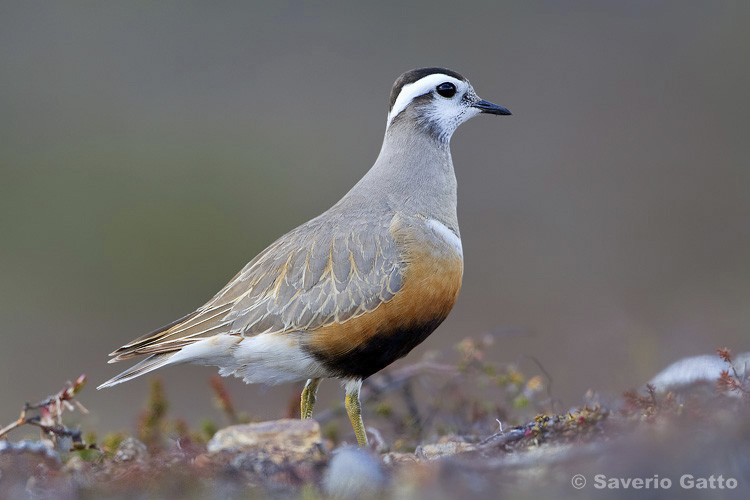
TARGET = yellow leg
x,y
308,398
354,410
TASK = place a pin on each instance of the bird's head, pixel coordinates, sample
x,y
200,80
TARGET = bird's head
x,y
437,101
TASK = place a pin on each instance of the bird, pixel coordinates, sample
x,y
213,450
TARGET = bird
x,y
354,289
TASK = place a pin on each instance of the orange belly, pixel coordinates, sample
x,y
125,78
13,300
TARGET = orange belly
x,y
366,344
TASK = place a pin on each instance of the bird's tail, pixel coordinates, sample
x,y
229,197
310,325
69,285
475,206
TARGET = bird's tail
x,y
151,363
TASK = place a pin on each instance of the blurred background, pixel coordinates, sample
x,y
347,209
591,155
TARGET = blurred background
x,y
148,150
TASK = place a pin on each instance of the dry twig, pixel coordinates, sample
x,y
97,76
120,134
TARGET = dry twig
x,y
49,419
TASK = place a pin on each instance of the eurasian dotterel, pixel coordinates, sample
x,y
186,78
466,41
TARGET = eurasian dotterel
x,y
354,289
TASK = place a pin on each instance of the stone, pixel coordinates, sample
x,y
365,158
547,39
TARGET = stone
x,y
277,440
29,448
431,451
353,473
131,450
395,458
706,369
22,465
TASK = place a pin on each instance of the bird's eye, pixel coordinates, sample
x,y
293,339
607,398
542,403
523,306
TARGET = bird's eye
x,y
446,89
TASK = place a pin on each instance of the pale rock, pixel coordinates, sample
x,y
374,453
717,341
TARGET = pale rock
x,y
353,473
278,440
431,451
131,450
705,369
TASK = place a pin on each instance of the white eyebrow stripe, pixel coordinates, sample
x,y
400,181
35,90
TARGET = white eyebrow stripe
x,y
413,90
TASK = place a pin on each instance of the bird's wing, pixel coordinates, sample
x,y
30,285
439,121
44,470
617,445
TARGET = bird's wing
x,y
323,272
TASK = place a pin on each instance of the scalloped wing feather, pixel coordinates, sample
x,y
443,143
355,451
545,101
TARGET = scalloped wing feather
x,y
314,276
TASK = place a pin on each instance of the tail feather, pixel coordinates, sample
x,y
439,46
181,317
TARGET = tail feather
x,y
149,364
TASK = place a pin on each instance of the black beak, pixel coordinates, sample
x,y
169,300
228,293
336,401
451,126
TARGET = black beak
x,y
488,107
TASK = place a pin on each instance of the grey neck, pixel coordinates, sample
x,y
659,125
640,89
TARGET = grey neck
x,y
413,175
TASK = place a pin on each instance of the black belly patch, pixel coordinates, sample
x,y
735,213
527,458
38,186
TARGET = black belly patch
x,y
377,352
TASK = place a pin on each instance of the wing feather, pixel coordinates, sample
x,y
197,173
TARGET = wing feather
x,y
314,276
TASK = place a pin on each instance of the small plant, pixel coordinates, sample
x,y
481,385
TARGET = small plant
x,y
730,379
152,423
651,405
49,414
224,400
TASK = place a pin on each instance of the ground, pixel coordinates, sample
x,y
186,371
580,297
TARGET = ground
x,y
507,439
